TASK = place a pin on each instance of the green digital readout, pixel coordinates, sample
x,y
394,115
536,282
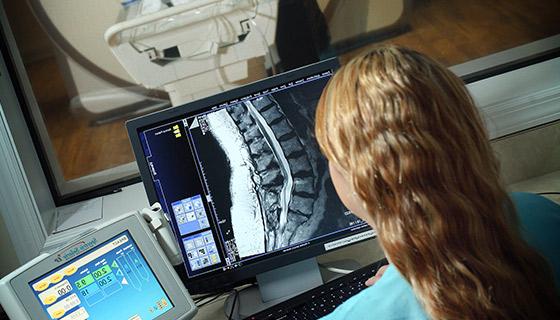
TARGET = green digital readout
x,y
101,272
84,282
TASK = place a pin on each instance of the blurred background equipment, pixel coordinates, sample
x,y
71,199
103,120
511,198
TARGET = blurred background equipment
x,y
93,78
193,49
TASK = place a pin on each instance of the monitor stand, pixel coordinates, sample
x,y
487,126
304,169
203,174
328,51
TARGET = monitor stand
x,y
274,287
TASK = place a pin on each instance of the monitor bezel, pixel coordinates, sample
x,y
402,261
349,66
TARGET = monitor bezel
x,y
235,276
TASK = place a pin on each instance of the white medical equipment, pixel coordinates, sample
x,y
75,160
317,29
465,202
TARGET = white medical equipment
x,y
194,48
93,78
118,271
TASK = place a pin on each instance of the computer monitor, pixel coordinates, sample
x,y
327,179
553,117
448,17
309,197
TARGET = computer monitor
x,y
243,180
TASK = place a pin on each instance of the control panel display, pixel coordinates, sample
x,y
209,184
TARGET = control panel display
x,y
113,281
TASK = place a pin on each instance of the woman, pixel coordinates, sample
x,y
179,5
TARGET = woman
x,y
403,134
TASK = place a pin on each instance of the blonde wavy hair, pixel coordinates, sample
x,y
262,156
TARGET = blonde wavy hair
x,y
408,135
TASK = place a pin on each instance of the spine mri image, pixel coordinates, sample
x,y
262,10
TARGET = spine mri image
x,y
269,183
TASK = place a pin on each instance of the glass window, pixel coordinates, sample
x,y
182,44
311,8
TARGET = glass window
x,y
91,66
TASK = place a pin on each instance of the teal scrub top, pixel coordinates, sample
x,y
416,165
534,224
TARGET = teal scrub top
x,y
392,297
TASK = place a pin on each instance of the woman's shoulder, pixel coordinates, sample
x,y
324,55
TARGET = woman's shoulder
x,y
539,222
526,203
539,218
389,298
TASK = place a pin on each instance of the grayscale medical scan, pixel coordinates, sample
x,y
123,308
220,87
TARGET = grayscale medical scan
x,y
278,188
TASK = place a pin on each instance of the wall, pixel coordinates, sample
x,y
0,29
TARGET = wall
x,y
530,154
8,257
530,161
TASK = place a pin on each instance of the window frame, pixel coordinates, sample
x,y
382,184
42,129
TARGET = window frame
x,y
65,192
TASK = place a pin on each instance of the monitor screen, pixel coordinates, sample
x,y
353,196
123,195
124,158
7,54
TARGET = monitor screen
x,y
88,286
242,177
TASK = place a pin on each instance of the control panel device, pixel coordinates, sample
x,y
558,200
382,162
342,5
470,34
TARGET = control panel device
x,y
118,271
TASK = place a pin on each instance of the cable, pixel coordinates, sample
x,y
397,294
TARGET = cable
x,y
266,47
548,193
202,297
216,297
233,304
213,295
61,42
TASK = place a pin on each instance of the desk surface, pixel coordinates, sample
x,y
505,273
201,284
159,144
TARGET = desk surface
x,y
364,253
